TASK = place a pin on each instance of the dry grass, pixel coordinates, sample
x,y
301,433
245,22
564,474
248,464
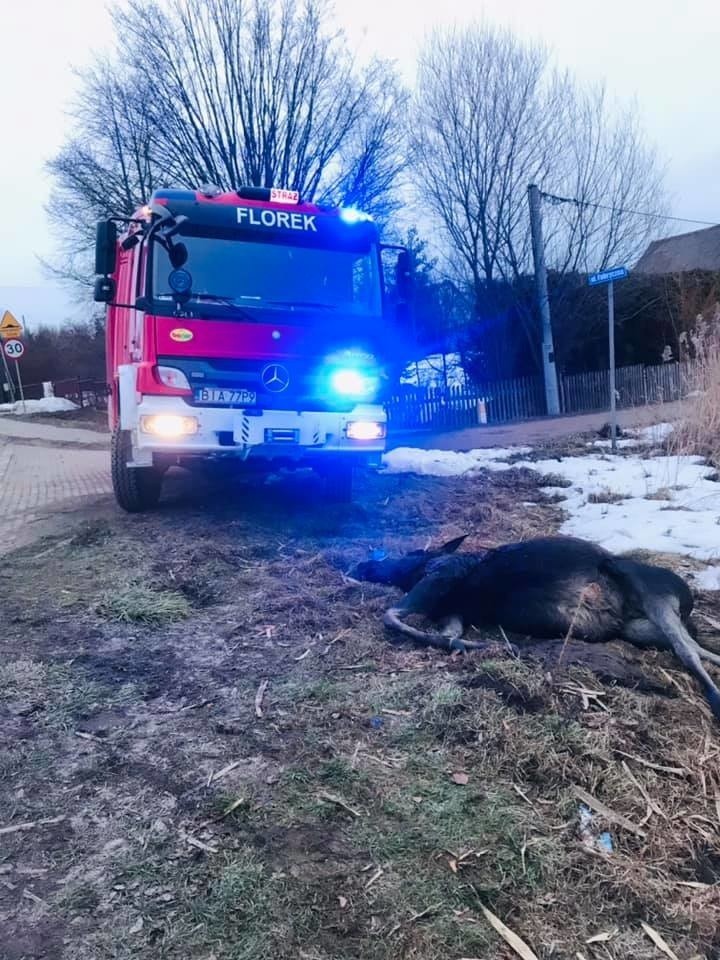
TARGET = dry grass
x,y
195,829
699,431
606,496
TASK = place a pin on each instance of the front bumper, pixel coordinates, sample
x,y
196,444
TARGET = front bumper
x,y
271,434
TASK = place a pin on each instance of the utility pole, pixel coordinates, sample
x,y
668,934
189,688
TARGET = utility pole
x,y
611,364
552,398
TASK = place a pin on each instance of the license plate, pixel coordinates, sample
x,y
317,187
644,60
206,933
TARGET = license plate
x,y
228,397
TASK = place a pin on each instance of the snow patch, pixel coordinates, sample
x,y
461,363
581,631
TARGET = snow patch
x,y
665,504
448,463
642,437
707,579
46,405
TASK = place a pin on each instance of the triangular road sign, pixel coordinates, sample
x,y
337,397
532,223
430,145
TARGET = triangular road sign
x,y
10,328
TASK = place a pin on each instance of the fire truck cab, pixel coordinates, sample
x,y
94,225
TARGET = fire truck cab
x,y
247,327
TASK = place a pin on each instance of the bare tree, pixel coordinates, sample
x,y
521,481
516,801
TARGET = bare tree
x,y
106,167
612,173
227,92
490,116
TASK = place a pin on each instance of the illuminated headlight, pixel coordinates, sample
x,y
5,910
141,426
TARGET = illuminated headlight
x,y
353,383
365,430
172,377
169,426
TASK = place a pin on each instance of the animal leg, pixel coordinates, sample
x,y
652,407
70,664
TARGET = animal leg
x,y
684,647
643,633
443,641
706,654
434,598
452,628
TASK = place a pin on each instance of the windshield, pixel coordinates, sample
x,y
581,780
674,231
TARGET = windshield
x,y
275,276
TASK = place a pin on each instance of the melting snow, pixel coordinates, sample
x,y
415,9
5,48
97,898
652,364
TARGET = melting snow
x,y
708,579
642,437
665,504
448,463
46,405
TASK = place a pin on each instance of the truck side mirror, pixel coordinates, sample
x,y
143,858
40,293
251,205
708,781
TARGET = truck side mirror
x,y
104,290
105,247
404,277
178,255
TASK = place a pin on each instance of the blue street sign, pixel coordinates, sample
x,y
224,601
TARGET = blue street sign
x,y
607,276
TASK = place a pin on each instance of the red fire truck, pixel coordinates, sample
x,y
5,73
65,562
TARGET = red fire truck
x,y
245,326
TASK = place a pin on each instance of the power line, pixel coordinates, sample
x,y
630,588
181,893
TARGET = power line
x,y
636,213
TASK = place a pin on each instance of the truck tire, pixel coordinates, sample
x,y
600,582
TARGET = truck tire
x,y
136,488
338,481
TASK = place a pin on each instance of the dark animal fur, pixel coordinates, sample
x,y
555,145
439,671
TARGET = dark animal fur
x,y
403,572
548,588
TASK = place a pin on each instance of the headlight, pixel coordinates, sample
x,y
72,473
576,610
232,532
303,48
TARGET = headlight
x,y
169,426
365,430
172,377
349,382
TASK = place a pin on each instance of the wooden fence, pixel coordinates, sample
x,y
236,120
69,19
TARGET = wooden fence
x,y
503,401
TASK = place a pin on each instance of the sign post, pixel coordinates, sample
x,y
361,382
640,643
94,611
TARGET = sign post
x,y
595,279
8,379
10,329
14,349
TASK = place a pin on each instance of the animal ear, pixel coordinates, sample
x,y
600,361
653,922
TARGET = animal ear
x,y
452,545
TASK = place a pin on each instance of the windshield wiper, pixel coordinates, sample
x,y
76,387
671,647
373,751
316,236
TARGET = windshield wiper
x,y
214,297
223,299
302,303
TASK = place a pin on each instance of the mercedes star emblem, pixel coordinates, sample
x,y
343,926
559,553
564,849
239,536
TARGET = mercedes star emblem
x,y
275,378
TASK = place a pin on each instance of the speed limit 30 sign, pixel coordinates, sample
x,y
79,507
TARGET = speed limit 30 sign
x,y
14,349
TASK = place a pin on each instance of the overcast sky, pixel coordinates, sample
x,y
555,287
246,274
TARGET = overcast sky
x,y
661,53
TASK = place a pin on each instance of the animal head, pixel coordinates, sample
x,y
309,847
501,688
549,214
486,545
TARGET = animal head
x,y
382,569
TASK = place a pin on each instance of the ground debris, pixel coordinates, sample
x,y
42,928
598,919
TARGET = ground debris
x,y
259,698
606,812
509,936
659,941
30,825
338,802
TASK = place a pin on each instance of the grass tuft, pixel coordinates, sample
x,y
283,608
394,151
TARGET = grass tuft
x,y
136,603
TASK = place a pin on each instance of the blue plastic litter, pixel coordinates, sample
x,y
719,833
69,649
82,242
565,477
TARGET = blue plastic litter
x,y
378,554
601,841
376,722
605,841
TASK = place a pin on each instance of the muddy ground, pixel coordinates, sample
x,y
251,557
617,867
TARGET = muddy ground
x,y
209,750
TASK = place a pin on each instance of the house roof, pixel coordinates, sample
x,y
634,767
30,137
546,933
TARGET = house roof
x,y
698,250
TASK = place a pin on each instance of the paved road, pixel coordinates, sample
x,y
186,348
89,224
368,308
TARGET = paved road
x,y
12,428
533,431
41,483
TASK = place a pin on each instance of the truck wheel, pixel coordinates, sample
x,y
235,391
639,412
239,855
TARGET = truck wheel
x,y
136,488
338,478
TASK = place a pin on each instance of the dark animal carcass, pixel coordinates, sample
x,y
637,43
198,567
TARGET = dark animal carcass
x,y
547,588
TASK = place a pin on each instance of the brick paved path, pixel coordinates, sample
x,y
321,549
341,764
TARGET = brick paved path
x,y
39,483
